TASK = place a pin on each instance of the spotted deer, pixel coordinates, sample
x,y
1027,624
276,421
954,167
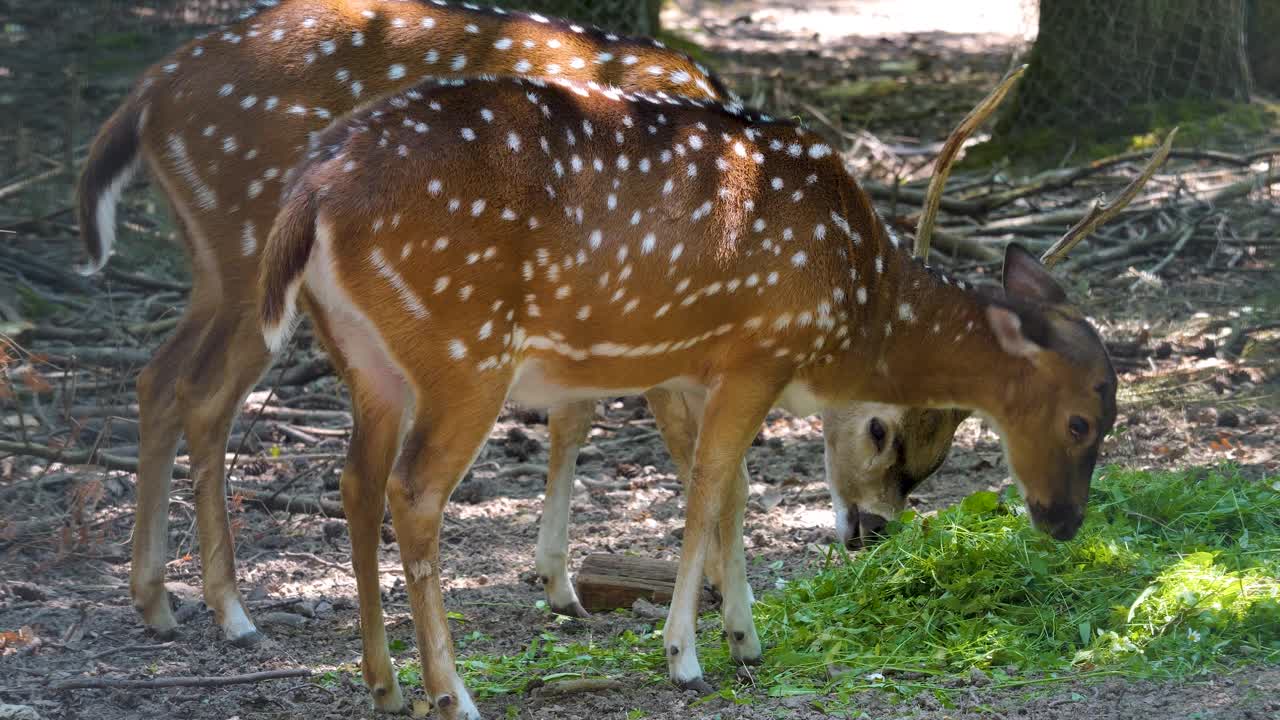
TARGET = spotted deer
x,y
642,243
875,453
219,123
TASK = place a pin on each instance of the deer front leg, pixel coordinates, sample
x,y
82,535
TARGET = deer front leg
x,y
735,591
734,410
568,425
441,443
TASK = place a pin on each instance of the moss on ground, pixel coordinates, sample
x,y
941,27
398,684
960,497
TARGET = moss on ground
x,y
1201,125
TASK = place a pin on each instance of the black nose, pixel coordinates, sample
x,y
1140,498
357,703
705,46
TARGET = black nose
x,y
872,525
1063,533
1060,520
864,529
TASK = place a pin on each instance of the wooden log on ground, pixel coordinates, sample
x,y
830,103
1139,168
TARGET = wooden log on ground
x,y
608,582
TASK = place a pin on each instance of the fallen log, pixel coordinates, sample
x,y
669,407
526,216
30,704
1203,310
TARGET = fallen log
x,y
610,582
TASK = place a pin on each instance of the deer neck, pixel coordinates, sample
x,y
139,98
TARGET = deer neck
x,y
921,339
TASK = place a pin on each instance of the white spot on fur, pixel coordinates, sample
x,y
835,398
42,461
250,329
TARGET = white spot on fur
x,y
249,239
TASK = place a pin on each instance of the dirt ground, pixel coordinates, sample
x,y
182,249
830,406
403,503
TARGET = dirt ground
x,y
1196,344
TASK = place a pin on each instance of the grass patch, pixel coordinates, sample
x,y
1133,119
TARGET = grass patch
x,y
1173,574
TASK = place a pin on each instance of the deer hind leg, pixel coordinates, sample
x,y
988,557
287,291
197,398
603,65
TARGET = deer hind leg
x,y
374,436
224,367
160,429
734,410
376,412
441,443
569,425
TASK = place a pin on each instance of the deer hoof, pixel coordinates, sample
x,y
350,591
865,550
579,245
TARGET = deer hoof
x,y
162,634
698,685
248,640
575,610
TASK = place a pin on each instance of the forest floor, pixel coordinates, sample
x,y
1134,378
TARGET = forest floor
x,y
1196,339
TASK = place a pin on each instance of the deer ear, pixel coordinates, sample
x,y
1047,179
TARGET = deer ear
x,y
1025,277
1007,327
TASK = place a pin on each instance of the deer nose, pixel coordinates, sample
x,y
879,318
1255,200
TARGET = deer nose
x,y
1060,520
872,527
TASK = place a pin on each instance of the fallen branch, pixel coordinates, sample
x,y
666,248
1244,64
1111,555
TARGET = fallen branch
x,y
46,332
306,372
965,246
33,268
1061,180
101,458
560,688
312,557
276,412
533,469
880,191
129,648
1181,242
153,327
144,282
292,504
101,356
168,682
18,186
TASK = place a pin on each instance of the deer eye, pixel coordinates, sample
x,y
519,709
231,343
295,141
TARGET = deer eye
x,y
1079,427
878,433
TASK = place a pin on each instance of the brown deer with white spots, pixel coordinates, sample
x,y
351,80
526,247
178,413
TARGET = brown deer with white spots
x,y
220,122
618,243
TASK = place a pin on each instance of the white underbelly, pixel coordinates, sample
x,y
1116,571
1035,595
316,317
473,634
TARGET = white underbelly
x,y
798,399
532,388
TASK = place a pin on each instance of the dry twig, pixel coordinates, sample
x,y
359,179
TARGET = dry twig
x,y
933,196
1101,212
168,682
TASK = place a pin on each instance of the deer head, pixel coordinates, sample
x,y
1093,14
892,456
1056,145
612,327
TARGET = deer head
x,y
876,456
1075,406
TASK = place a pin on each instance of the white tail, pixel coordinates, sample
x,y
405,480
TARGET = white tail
x,y
651,243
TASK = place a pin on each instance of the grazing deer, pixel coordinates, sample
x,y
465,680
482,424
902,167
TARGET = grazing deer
x,y
219,123
642,242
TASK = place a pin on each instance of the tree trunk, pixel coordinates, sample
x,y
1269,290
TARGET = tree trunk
x,y
1263,47
1103,67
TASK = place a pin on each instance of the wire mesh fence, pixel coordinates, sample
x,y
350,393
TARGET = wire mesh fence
x,y
1099,64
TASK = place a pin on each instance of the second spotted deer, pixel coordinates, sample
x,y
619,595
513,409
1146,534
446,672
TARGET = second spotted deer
x,y
634,244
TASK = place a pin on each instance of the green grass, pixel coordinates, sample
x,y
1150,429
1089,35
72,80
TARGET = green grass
x,y
1173,574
